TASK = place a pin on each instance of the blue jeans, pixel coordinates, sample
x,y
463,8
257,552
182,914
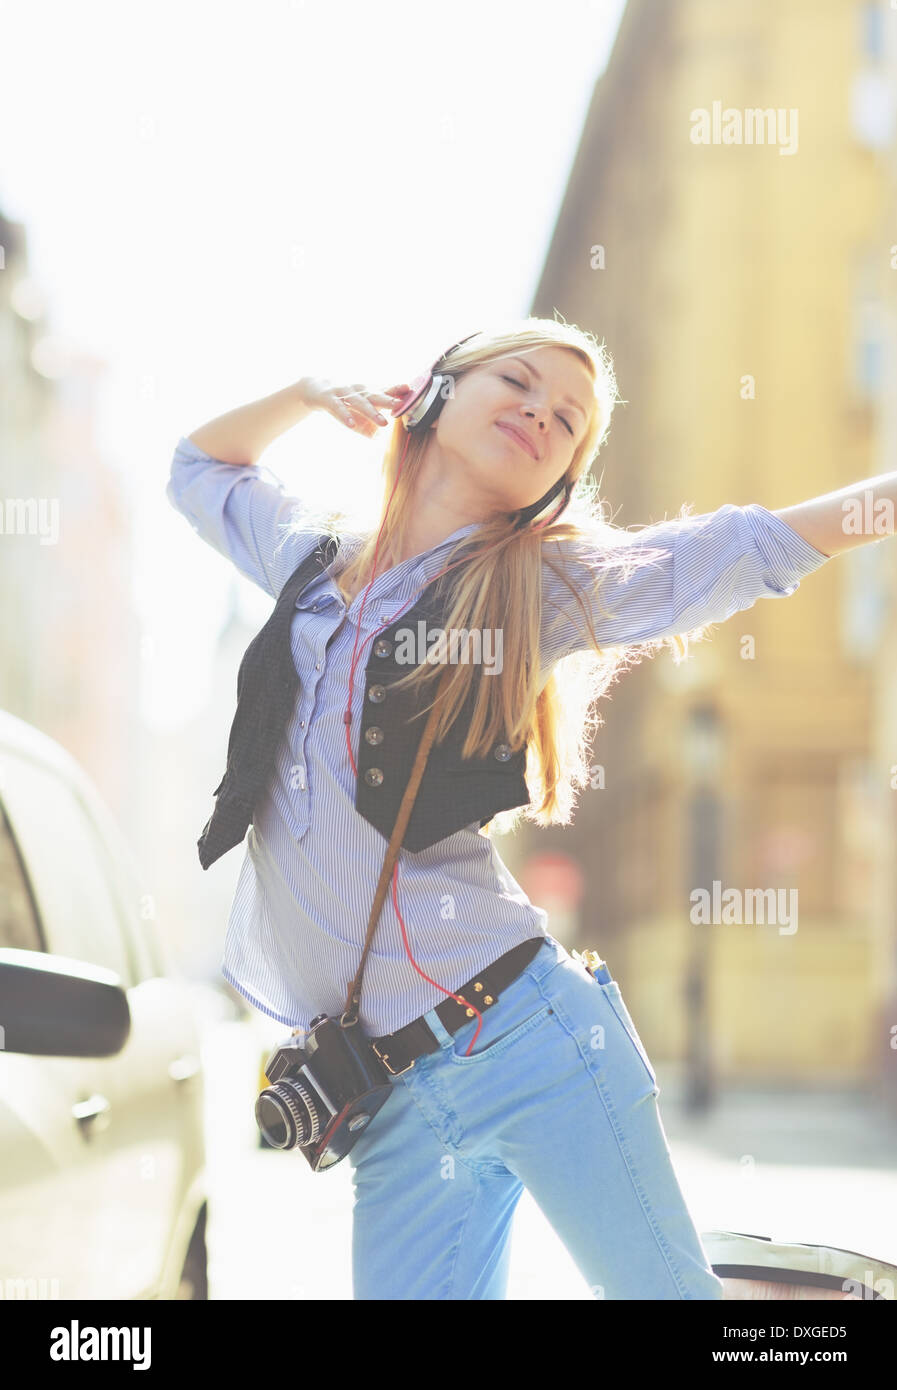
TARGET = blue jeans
x,y
558,1096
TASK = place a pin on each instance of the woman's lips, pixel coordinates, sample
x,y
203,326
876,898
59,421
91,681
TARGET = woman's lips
x,y
519,437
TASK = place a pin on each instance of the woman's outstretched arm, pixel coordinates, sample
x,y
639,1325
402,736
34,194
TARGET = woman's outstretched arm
x,y
855,515
672,577
242,435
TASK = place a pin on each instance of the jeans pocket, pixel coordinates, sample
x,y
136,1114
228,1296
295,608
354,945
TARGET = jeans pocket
x,y
519,1010
614,997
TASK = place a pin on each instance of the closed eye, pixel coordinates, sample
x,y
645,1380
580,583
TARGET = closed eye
x,y
568,427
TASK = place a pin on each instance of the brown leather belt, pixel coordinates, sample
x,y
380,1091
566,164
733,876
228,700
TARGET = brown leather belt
x,y
398,1051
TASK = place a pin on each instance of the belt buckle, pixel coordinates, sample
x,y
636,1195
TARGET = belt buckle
x,y
384,1059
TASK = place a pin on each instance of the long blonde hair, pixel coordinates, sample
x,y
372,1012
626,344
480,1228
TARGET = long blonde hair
x,y
499,587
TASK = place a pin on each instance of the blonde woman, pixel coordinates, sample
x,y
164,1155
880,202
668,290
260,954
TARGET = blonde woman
x,y
514,1064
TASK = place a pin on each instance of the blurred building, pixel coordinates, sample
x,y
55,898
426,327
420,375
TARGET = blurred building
x,y
72,652
69,650
739,289
882,72
26,399
185,765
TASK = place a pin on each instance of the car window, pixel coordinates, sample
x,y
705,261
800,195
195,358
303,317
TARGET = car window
x,y
135,903
65,865
19,923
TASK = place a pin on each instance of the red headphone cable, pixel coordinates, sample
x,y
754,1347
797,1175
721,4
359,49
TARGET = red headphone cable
x,y
347,719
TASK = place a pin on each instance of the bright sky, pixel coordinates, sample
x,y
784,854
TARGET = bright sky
x,y
222,197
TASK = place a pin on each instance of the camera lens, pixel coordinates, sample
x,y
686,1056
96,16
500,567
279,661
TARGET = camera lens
x,y
287,1115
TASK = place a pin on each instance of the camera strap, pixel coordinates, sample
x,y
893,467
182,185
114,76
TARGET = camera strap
x,y
350,1015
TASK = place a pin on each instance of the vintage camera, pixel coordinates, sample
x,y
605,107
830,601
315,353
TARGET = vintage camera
x,y
323,1094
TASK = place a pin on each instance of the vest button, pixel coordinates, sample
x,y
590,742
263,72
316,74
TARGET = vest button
x,y
373,734
502,751
373,776
382,647
377,693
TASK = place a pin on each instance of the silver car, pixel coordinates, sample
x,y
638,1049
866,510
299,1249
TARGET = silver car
x,y
102,1158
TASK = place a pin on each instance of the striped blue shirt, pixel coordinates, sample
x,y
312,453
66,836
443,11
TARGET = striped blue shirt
x,y
311,864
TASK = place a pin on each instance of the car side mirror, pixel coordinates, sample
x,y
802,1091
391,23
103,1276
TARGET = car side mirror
x,y
53,1006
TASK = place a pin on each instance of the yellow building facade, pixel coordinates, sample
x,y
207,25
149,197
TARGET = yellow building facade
x,y
723,231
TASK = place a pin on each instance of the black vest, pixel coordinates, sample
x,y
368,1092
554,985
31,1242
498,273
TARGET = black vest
x,y
453,791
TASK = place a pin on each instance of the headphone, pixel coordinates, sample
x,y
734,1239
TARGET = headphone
x,y
421,407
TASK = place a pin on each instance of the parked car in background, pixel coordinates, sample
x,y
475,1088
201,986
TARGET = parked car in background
x,y
102,1155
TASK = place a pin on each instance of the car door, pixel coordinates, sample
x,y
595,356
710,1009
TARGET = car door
x,y
117,1140
48,1185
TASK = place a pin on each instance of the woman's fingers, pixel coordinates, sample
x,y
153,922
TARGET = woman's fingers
x,y
397,394
359,403
362,403
349,406
358,406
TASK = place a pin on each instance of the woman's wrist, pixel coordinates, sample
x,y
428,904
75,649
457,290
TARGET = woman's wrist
x,y
299,389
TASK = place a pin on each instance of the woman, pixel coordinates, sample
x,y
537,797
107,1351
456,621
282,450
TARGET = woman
x,y
551,1088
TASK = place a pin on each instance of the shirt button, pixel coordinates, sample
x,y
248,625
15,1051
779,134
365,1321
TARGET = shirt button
x,y
317,665
373,734
373,776
301,723
382,647
377,693
502,751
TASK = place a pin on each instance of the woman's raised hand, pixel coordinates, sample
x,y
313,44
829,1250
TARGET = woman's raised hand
x,y
354,406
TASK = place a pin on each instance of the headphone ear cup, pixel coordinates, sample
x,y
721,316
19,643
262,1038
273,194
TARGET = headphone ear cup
x,y
422,405
526,515
550,520
421,408
418,388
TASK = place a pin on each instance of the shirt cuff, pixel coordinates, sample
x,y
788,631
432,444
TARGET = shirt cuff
x,y
185,449
789,557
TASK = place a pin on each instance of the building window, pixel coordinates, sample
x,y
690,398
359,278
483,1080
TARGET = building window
x,y
869,351
790,839
868,326
872,30
864,603
871,110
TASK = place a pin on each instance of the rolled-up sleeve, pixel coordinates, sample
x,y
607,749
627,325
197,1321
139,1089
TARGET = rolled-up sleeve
x,y
672,577
243,511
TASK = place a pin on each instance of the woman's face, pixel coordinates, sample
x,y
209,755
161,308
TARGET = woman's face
x,y
513,425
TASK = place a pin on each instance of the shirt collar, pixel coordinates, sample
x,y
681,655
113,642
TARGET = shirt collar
x,y
427,564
